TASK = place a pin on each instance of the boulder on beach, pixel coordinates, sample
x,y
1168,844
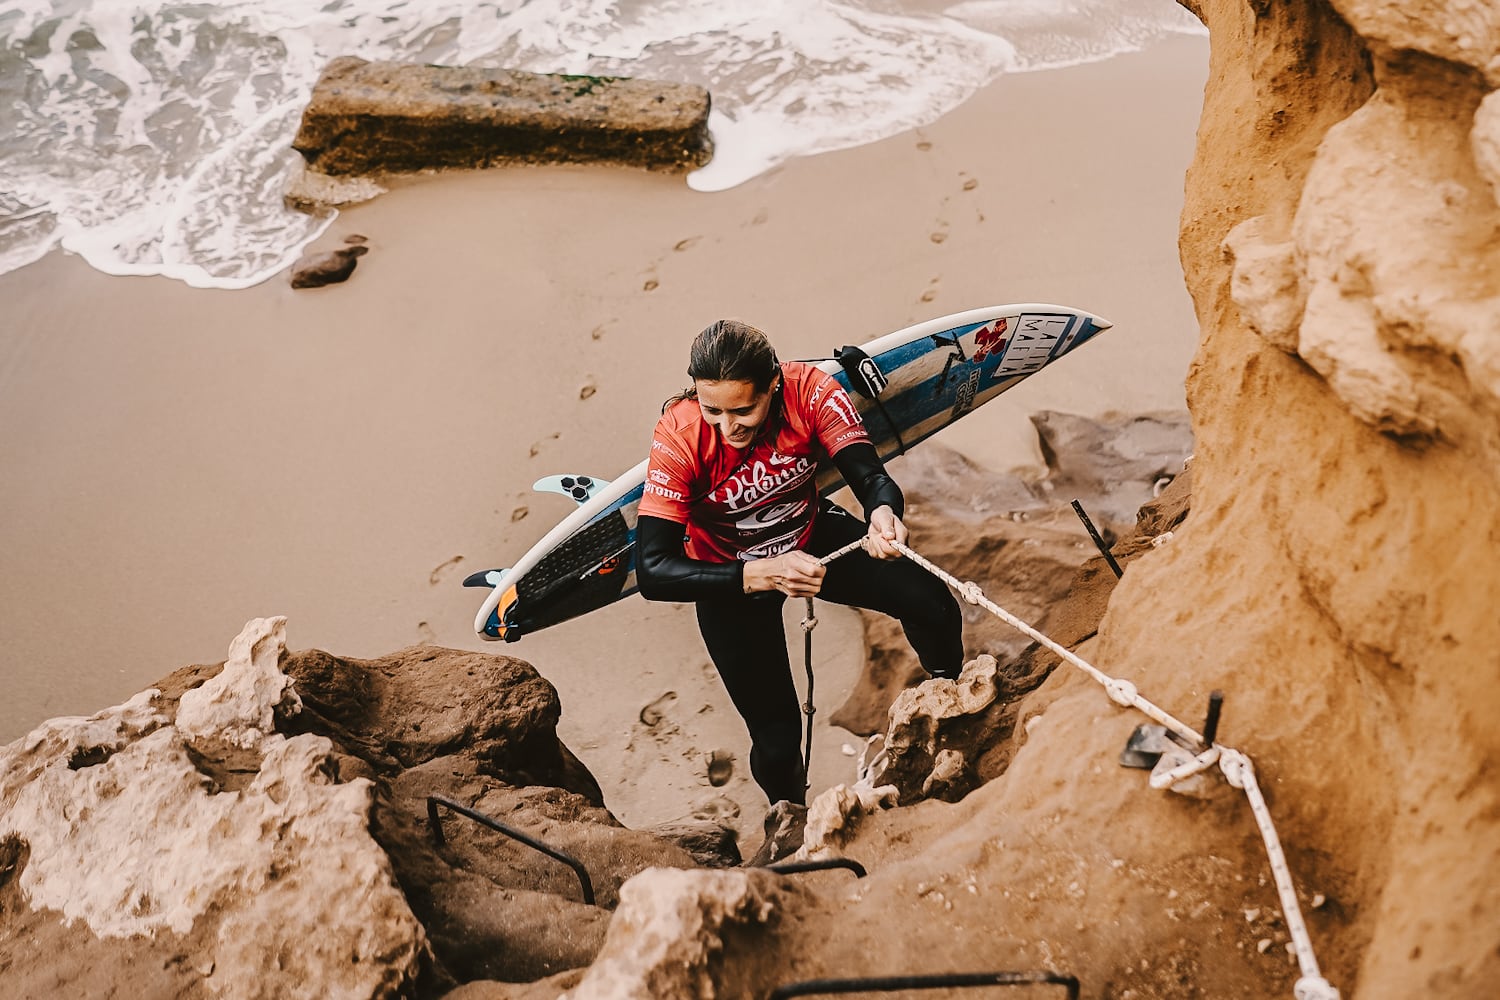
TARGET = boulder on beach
x,y
382,117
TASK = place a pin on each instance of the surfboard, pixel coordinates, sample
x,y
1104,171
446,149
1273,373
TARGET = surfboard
x,y
908,385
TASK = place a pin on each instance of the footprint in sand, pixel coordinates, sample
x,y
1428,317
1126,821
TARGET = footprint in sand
x,y
938,236
719,809
443,570
651,285
720,768
519,513
931,292
425,635
536,447
654,712
971,183
686,244
587,390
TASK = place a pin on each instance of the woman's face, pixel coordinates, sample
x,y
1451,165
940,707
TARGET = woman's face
x,y
735,409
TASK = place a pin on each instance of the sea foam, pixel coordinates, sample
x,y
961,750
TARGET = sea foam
x,y
153,137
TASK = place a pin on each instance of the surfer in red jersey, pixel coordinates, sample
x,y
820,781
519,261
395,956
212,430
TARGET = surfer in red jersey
x,y
731,521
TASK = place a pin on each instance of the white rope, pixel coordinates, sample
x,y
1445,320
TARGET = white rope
x,y
1197,765
858,543
1240,773
1237,769
1121,691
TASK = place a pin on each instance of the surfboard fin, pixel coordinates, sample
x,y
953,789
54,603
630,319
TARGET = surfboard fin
x,y
486,578
575,487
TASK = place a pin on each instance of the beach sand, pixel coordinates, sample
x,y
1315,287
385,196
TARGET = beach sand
x,y
177,461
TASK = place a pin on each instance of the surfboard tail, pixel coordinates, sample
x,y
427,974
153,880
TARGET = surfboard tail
x,y
495,620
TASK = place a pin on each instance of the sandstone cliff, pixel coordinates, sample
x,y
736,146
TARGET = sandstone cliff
x,y
1336,576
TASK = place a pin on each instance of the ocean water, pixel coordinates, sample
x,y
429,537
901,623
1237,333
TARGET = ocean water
x,y
154,137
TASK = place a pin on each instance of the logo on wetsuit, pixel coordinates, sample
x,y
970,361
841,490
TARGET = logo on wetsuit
x,y
758,481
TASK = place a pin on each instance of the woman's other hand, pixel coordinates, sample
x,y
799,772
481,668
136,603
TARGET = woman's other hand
x,y
885,528
795,574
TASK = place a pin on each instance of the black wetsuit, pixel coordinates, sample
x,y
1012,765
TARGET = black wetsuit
x,y
744,632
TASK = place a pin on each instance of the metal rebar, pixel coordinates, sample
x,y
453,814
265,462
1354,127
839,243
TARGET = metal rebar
x,y
433,801
809,708
792,867
1211,724
888,984
1098,541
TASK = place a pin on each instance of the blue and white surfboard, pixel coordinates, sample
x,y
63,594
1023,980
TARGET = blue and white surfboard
x,y
908,385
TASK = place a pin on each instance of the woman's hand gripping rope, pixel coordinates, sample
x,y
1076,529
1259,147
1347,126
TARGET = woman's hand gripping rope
x,y
885,534
795,574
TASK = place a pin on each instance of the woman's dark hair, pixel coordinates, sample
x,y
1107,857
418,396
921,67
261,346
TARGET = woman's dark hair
x,y
729,351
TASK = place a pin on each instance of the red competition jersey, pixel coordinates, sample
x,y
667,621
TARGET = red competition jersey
x,y
759,501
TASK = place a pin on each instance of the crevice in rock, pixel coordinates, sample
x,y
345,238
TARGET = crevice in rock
x,y
84,757
14,853
227,767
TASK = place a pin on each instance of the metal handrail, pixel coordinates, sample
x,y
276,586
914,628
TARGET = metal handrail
x,y
433,801
792,867
887,984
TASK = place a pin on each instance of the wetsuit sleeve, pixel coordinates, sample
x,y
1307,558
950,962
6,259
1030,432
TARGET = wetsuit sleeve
x,y
664,571
862,470
669,477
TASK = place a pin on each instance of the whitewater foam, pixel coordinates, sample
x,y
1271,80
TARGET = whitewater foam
x,y
153,137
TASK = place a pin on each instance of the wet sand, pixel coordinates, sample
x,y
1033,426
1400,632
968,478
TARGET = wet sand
x,y
178,461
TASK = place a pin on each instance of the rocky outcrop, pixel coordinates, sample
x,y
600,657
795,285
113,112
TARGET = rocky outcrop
x,y
1335,576
375,118
268,885
1348,428
262,828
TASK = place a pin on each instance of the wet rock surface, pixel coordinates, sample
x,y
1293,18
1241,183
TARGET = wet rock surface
x,y
373,118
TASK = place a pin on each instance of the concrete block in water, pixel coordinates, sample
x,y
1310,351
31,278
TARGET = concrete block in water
x,y
369,117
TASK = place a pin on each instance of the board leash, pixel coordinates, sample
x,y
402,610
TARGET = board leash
x,y
1236,767
809,623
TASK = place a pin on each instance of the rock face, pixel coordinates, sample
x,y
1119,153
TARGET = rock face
x,y
371,118
670,933
260,828
272,888
1346,400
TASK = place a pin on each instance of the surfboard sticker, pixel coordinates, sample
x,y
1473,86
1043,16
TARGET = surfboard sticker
x,y
934,373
